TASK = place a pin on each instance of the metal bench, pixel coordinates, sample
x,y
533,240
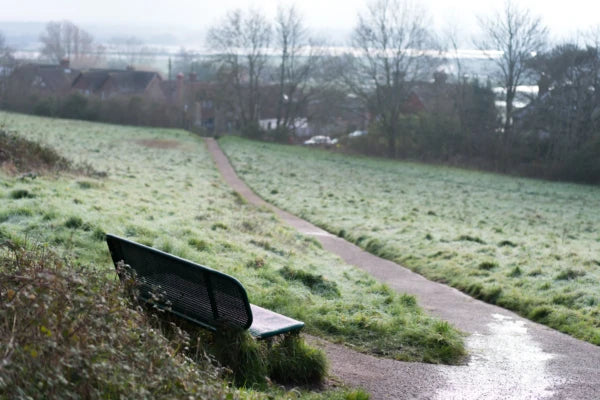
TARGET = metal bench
x,y
199,294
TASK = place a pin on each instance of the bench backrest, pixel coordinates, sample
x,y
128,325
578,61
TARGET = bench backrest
x,y
192,291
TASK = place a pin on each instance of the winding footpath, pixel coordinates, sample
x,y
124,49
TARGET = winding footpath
x,y
509,357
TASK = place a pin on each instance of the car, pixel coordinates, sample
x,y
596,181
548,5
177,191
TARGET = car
x,y
317,140
357,133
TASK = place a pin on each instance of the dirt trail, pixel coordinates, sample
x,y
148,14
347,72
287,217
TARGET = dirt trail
x,y
510,357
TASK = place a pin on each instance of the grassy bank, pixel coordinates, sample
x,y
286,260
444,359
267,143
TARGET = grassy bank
x,y
159,187
530,246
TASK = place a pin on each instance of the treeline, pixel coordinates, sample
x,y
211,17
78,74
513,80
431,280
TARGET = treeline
x,y
134,110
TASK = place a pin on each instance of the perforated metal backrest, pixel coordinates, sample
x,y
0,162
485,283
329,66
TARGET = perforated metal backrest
x,y
192,291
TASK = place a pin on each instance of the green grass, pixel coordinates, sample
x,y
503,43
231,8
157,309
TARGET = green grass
x,y
173,199
528,245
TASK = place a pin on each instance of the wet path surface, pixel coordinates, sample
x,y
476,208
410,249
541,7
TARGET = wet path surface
x,y
510,357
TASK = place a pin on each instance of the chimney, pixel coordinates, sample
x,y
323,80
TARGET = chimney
x,y
193,76
64,63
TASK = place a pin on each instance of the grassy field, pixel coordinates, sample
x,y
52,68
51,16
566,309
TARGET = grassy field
x,y
530,246
160,187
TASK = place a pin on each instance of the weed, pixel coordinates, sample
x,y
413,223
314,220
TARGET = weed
x,y
256,263
76,222
21,194
469,238
515,272
218,225
569,274
291,361
199,244
265,244
374,246
487,265
99,235
239,199
317,284
540,314
86,184
244,357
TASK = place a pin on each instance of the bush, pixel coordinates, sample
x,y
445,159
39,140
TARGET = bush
x,y
291,361
245,358
28,156
74,106
68,333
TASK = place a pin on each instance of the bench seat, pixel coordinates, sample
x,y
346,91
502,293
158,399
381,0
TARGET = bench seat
x,y
267,323
199,294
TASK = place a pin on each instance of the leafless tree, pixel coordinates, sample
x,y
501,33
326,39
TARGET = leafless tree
x,y
64,39
240,43
298,56
394,46
518,35
130,51
7,63
185,60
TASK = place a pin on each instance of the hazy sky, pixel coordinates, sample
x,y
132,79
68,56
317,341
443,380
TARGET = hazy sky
x,y
564,18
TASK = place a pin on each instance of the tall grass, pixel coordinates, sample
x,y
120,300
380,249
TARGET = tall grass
x,y
530,246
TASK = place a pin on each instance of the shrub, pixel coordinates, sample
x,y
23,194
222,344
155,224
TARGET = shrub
x,y
291,361
27,156
70,333
242,355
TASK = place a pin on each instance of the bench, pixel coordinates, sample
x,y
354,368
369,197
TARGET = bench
x,y
204,296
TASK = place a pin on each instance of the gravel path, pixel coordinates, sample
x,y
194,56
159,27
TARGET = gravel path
x,y
510,357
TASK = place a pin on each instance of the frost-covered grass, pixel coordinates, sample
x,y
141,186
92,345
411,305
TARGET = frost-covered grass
x,y
528,245
163,190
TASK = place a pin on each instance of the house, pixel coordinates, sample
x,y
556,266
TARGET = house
x,y
106,83
432,97
295,105
200,103
43,79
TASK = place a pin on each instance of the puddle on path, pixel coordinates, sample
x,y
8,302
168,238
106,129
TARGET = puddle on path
x,y
505,363
316,233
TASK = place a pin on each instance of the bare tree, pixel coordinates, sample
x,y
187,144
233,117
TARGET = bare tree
x,y
130,51
298,58
185,61
394,45
241,43
518,35
64,39
7,63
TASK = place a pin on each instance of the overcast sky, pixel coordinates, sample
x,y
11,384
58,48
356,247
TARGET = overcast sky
x,y
564,18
